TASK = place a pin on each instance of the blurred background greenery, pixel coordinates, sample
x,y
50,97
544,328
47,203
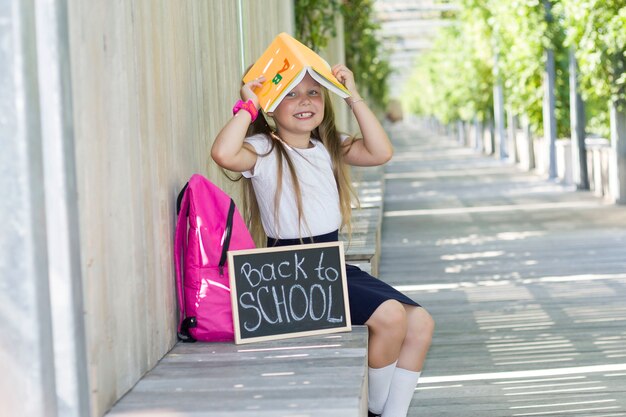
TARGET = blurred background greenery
x,y
477,43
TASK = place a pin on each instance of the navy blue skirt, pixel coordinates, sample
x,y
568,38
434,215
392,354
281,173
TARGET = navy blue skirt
x,y
365,292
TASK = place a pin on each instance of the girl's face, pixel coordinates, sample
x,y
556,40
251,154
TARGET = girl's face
x,y
302,109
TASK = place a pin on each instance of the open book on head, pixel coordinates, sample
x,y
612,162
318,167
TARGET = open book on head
x,y
284,63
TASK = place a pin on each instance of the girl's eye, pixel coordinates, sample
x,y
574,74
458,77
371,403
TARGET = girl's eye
x,y
291,94
314,92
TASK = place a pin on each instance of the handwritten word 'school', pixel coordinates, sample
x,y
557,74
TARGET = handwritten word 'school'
x,y
276,296
288,291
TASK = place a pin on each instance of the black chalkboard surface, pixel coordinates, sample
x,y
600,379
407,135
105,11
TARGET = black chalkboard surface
x,y
288,291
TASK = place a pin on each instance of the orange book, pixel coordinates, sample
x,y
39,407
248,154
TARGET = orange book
x,y
284,63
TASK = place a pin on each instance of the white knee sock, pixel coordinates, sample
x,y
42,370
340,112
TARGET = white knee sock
x,y
378,387
400,393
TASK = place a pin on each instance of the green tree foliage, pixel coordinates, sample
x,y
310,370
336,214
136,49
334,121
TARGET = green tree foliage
x,y
315,22
364,52
519,31
476,77
455,79
520,46
523,31
451,82
597,31
315,25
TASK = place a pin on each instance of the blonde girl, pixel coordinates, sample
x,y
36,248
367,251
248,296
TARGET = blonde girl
x,y
299,192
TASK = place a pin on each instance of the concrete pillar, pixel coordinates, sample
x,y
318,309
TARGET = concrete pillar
x,y
44,365
27,386
577,127
64,261
618,154
564,161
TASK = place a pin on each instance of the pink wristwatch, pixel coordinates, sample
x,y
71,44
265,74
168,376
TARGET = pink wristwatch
x,y
247,106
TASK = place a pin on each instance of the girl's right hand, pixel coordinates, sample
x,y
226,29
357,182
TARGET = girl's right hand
x,y
247,93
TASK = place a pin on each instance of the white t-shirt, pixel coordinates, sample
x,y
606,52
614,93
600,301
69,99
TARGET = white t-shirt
x,y
320,198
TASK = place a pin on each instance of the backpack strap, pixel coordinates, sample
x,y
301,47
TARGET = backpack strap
x,y
228,232
180,247
179,199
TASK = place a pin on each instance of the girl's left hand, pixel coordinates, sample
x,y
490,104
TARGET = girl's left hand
x,y
345,77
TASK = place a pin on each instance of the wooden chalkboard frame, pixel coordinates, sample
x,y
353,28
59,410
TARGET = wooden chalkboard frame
x,y
232,255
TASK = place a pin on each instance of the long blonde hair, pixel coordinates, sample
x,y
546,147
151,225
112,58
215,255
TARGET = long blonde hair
x,y
330,137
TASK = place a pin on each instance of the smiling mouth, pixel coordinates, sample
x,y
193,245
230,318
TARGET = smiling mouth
x,y
304,115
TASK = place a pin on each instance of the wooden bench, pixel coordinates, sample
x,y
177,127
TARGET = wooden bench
x,y
323,375
363,248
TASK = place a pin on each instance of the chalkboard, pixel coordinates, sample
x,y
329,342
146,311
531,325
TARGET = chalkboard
x,y
288,291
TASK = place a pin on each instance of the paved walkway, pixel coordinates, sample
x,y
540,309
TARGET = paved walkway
x,y
526,280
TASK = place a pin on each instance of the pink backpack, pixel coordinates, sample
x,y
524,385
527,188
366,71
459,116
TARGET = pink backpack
x,y
213,225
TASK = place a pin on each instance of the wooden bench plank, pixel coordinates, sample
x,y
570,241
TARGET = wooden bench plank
x,y
306,376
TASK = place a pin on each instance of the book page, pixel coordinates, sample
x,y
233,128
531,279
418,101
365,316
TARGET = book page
x,y
319,65
329,84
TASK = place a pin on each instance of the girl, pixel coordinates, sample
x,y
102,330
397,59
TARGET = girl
x,y
300,193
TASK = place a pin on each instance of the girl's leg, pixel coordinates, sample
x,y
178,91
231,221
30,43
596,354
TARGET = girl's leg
x,y
420,327
387,329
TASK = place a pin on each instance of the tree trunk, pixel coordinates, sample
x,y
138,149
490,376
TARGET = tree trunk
x,y
530,149
498,113
577,127
618,146
512,139
549,119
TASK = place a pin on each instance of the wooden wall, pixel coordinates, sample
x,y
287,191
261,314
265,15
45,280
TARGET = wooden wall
x,y
153,82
